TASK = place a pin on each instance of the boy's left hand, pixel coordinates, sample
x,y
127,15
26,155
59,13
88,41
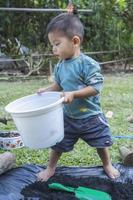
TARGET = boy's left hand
x,y
68,97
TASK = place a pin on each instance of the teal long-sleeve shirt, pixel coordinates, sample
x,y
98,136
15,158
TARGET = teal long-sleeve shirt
x,y
75,74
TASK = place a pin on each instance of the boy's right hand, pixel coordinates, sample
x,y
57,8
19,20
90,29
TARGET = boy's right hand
x,y
40,91
53,87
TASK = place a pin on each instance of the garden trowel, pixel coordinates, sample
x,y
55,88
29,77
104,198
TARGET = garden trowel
x,y
82,193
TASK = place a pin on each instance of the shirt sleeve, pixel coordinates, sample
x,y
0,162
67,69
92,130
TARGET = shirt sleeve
x,y
56,74
92,75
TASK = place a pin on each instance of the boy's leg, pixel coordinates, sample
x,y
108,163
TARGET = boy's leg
x,y
44,175
66,145
108,167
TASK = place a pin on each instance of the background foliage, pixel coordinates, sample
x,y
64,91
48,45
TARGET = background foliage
x,y
109,27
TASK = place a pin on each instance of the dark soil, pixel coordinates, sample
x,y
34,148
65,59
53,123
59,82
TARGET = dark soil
x,y
8,134
40,190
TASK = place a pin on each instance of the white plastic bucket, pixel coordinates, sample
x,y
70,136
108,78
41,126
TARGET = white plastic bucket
x,y
39,119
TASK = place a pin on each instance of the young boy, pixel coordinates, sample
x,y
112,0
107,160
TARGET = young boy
x,y
79,78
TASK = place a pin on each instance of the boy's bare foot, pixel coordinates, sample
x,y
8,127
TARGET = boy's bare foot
x,y
44,175
112,172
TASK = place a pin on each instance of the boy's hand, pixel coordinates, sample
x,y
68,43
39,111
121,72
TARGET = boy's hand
x,y
68,97
53,87
40,91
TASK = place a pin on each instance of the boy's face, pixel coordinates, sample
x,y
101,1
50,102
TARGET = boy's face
x,y
63,47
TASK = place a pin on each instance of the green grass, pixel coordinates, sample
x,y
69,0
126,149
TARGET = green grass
x,y
117,96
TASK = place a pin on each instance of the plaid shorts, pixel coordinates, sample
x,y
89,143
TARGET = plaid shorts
x,y
93,130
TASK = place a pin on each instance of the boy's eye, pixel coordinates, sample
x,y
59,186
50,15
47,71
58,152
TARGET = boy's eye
x,y
57,44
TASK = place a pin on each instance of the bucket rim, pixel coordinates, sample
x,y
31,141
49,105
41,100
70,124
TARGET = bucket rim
x,y
10,110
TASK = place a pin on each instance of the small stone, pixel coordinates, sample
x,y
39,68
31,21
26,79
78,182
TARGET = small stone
x,y
130,119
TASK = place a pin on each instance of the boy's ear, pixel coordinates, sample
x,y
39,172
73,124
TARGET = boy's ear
x,y
76,40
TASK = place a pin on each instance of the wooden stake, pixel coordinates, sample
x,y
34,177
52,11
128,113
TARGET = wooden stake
x,y
127,156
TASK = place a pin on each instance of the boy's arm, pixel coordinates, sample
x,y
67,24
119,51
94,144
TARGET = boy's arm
x,y
53,87
82,93
85,92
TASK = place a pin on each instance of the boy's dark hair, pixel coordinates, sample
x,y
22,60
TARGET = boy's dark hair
x,y
67,24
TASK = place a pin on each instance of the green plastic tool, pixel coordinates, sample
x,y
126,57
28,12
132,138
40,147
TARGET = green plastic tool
x,y
82,193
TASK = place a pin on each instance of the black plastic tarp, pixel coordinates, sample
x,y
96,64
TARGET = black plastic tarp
x,y
20,183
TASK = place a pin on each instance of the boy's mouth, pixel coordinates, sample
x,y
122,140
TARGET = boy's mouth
x,y
56,55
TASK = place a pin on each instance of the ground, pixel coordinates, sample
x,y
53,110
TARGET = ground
x,y
117,96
